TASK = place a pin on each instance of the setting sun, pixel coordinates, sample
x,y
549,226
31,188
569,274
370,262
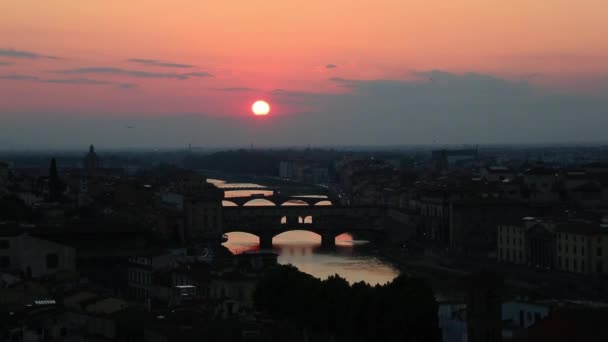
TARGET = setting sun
x,y
260,107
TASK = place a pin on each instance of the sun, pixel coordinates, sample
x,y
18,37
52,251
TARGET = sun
x,y
260,107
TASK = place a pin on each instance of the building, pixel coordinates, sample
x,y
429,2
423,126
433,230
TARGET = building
x,y
446,159
93,315
143,271
523,314
572,324
452,322
286,170
33,257
541,184
581,247
569,245
511,243
91,163
473,222
201,203
309,172
496,173
4,177
203,218
484,308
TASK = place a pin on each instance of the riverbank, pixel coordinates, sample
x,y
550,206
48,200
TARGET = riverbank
x,y
266,181
447,276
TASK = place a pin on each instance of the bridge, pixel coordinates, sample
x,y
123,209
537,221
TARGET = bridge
x,y
328,221
279,200
288,190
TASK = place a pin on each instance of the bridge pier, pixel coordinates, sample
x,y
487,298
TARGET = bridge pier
x,y
266,241
328,241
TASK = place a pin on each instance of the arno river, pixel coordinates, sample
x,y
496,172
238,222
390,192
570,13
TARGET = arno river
x,y
353,260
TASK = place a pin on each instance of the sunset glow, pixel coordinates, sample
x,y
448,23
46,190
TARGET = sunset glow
x,y
320,62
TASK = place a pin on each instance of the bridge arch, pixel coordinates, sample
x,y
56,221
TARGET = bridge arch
x,y
306,235
229,203
324,202
326,239
240,241
259,202
294,202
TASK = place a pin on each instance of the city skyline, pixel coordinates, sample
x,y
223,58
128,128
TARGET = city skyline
x,y
372,73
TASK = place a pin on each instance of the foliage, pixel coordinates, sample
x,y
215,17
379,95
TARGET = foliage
x,y
403,310
13,209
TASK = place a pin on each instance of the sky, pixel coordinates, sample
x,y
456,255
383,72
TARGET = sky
x,y
152,73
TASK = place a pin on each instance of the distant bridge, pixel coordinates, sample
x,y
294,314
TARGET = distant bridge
x,y
288,190
279,200
328,221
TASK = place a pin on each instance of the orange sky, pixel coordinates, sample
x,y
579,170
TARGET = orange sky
x,y
278,44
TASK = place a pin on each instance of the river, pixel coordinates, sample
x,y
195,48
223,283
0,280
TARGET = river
x,y
352,259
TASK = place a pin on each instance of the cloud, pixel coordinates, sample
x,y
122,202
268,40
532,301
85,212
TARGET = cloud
x,y
15,77
12,53
430,107
3,63
198,74
446,107
135,73
331,66
127,85
80,81
77,81
234,89
154,62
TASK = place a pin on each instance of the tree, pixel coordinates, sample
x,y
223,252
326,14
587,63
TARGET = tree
x,y
403,310
14,209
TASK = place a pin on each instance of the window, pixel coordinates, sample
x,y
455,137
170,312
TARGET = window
x,y
599,267
599,251
52,260
5,244
5,261
574,249
575,264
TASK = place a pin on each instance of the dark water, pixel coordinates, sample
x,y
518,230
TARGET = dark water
x,y
352,259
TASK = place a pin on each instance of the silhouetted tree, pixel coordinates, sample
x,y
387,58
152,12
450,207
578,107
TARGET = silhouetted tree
x,y
14,209
403,310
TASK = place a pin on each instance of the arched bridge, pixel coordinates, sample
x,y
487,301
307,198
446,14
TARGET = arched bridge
x,y
328,221
279,200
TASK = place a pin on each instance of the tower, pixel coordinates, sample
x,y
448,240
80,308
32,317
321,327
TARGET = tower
x,y
91,163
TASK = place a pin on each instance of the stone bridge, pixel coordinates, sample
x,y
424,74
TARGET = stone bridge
x,y
279,200
328,221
